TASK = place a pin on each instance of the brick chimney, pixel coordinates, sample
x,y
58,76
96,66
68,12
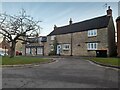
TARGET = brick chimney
x,y
109,11
118,35
55,27
70,22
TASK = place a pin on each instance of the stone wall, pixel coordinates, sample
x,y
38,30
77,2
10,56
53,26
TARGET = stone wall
x,y
111,39
79,42
118,37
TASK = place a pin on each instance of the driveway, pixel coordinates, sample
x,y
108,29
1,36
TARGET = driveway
x,y
64,73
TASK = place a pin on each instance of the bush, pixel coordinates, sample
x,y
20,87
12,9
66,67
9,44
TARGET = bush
x,y
52,53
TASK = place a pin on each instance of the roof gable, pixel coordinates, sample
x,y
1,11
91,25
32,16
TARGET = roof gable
x,y
95,23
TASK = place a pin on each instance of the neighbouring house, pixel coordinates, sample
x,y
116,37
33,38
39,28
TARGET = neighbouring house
x,y
4,47
18,47
93,37
118,35
35,46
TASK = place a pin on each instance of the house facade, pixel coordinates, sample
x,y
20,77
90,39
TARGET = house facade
x,y
118,35
18,46
34,47
93,37
4,47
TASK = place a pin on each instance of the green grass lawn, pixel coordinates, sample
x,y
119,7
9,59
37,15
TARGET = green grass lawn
x,y
108,61
22,60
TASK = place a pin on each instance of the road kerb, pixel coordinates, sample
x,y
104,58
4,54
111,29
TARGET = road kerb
x,y
33,64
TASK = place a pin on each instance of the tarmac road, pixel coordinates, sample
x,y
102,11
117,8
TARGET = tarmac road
x,y
64,73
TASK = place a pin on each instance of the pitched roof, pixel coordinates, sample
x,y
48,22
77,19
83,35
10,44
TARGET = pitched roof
x,y
95,23
35,39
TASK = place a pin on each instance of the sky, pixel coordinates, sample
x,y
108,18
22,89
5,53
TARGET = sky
x,y
59,13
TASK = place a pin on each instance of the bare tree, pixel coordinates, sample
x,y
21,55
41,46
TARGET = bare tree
x,y
17,27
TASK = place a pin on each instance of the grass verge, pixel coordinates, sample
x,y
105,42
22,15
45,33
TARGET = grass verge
x,y
23,60
107,61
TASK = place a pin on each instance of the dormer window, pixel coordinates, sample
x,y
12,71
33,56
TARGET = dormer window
x,y
92,33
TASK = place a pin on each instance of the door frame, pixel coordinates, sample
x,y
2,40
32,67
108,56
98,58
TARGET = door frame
x,y
59,48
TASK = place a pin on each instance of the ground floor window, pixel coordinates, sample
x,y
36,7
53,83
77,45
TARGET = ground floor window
x,y
34,50
66,46
92,46
39,51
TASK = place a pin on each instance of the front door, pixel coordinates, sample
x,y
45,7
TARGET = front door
x,y
58,49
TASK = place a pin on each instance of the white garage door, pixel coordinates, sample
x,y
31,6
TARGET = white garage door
x,y
40,51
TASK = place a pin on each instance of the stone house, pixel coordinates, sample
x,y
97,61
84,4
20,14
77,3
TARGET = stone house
x,y
19,45
35,46
118,35
4,46
93,37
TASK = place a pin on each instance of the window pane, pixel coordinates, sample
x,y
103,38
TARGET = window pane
x,y
91,45
95,45
88,45
88,33
94,32
66,46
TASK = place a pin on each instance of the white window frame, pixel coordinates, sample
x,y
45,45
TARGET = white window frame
x,y
92,33
53,37
64,47
92,46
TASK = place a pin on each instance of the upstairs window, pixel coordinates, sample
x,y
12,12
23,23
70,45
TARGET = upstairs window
x,y
66,46
92,46
92,33
52,37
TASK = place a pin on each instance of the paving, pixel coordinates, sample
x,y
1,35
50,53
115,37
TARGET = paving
x,y
63,73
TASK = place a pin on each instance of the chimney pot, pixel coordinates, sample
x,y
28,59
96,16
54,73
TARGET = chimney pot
x,y
55,27
109,11
70,22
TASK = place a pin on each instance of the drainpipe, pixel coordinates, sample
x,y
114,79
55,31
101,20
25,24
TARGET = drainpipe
x,y
36,50
71,44
25,49
5,50
43,48
70,23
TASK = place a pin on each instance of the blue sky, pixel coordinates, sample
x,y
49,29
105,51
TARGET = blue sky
x,y
59,13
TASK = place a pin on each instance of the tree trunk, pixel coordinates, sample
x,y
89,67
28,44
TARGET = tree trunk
x,y
12,49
